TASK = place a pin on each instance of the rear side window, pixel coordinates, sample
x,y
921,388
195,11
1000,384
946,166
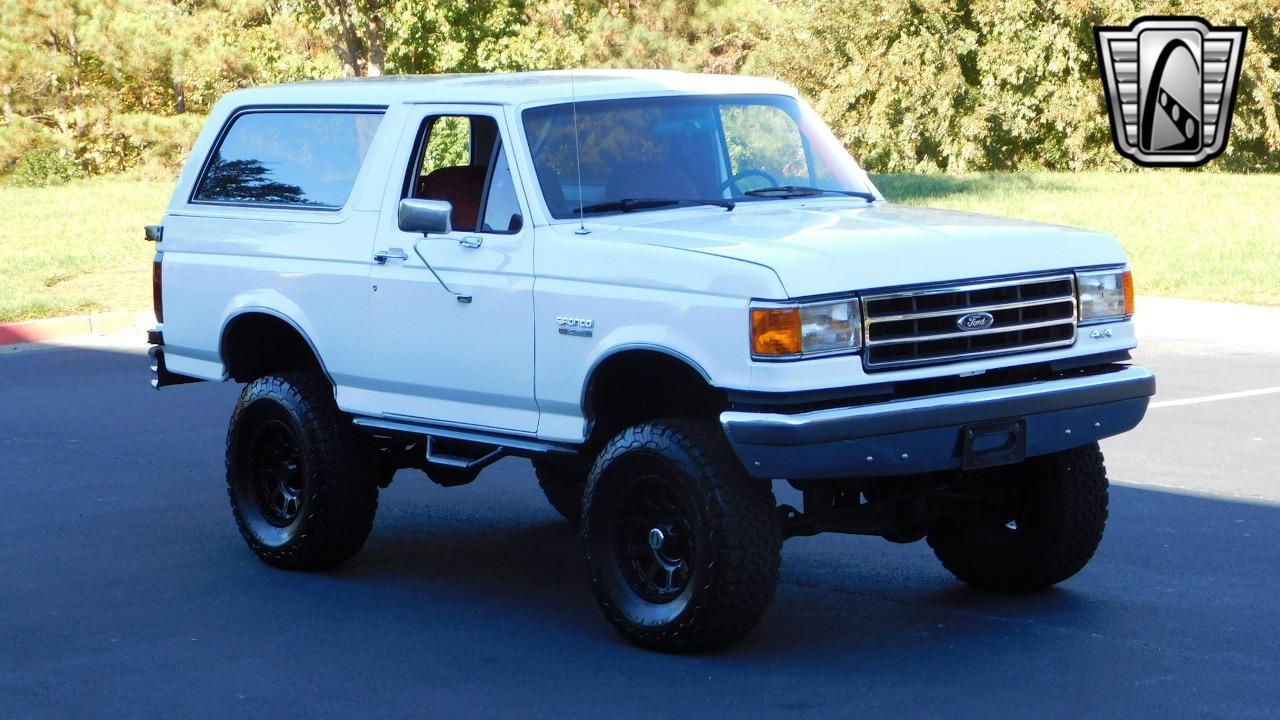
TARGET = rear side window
x,y
306,159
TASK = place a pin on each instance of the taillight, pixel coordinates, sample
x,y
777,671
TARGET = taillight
x,y
157,298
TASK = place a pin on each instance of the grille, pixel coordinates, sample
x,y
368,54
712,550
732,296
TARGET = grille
x,y
922,326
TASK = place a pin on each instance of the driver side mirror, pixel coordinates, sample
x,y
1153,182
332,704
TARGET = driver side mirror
x,y
425,216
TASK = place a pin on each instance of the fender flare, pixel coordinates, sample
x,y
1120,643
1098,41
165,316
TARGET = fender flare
x,y
589,379
270,312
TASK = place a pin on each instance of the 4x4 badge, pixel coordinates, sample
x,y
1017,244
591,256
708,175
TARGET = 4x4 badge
x,y
1171,85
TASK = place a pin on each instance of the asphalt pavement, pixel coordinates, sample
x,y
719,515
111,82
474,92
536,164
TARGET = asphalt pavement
x,y
125,590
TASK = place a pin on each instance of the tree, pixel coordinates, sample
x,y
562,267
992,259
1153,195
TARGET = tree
x,y
929,85
109,83
355,29
909,85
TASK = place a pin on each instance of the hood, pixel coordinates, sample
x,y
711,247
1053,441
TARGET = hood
x,y
832,246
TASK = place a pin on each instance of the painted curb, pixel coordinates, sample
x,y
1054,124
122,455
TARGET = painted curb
x,y
35,331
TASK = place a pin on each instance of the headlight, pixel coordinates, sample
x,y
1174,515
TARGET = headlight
x,y
1105,295
789,331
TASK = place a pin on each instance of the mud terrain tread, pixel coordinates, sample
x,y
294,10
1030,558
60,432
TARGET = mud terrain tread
x,y
1068,509
563,482
338,462
744,530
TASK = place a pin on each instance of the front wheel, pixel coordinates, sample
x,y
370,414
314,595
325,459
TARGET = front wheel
x,y
303,486
682,546
1042,523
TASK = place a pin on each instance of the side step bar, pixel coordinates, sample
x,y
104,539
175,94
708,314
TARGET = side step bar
x,y
462,462
506,444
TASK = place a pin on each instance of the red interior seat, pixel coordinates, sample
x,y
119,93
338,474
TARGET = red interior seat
x,y
461,186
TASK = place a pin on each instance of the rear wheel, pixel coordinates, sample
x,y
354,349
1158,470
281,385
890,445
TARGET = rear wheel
x,y
682,546
1042,525
302,483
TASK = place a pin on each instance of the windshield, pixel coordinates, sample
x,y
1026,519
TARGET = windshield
x,y
646,153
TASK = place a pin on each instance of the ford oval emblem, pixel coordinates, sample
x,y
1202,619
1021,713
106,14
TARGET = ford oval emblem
x,y
976,321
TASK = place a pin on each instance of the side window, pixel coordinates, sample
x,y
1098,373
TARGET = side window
x,y
501,209
460,159
306,159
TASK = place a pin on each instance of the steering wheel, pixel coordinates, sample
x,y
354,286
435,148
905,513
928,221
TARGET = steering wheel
x,y
732,182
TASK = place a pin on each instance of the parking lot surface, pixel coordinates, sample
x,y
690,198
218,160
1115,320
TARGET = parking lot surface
x,y
126,590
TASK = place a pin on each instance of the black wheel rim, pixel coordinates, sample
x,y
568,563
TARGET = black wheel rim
x,y
654,542
275,466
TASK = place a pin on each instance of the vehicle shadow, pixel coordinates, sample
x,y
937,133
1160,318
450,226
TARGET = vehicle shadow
x,y
536,570
860,597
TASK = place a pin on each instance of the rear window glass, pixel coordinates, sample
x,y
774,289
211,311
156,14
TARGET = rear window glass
x,y
301,159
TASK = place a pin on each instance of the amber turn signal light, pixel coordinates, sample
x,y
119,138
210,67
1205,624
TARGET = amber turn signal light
x,y
775,332
1128,292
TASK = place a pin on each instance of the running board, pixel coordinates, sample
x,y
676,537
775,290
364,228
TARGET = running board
x,y
505,444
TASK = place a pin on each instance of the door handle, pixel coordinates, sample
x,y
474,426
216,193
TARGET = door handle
x,y
382,256
471,242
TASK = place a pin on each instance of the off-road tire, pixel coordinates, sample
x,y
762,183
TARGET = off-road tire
x,y
1059,504
338,497
732,519
563,481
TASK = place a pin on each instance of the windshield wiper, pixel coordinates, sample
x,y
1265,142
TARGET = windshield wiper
x,y
634,204
794,191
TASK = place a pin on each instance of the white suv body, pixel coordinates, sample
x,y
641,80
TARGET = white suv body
x,y
408,349
495,334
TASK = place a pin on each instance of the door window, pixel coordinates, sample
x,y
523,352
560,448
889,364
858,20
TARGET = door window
x,y
461,160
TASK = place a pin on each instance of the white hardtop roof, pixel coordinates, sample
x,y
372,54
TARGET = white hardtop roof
x,y
504,88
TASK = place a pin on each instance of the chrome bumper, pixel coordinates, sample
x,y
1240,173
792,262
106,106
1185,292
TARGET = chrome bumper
x,y
162,376
917,435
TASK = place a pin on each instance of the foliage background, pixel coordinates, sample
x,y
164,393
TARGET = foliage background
x,y
107,86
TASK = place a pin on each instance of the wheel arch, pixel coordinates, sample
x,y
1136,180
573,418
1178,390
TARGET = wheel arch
x,y
241,341
609,404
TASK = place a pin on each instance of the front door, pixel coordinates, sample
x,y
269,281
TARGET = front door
x,y
452,322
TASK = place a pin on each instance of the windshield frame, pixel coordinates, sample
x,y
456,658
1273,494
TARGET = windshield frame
x,y
809,121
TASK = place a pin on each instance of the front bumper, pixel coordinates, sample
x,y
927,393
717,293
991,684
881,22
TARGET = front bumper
x,y
924,434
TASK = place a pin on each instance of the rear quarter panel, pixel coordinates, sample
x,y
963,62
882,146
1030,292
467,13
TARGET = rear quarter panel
x,y
310,267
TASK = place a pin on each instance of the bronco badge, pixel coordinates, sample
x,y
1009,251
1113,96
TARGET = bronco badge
x,y
579,327
1171,85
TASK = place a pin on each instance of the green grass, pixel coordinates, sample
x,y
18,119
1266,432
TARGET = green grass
x,y
1192,235
79,248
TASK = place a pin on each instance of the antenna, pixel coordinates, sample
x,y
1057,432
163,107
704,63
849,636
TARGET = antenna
x,y
577,155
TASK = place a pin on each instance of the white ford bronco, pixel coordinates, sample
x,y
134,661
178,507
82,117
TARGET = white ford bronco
x,y
672,292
